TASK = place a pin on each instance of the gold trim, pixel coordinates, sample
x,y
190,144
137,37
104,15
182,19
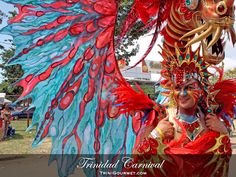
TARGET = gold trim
x,y
200,37
175,17
217,144
175,29
168,31
167,43
176,23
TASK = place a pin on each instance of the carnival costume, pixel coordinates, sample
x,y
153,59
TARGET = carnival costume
x,y
67,51
197,152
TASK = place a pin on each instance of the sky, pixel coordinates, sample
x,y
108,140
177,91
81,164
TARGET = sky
x,y
229,61
5,8
143,42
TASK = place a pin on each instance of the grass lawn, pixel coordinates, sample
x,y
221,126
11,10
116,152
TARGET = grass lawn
x,y
20,144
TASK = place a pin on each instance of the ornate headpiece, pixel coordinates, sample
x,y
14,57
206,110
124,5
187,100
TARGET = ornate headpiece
x,y
189,64
184,66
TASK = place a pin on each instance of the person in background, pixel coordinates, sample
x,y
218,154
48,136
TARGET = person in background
x,y
1,126
5,115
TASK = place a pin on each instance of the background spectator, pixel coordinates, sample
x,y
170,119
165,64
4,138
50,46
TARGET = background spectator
x,y
5,115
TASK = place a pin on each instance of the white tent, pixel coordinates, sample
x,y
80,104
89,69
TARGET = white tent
x,y
3,99
7,101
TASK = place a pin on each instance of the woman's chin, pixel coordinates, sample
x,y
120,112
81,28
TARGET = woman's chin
x,y
187,106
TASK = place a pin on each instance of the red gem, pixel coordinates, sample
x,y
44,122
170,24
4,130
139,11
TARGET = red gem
x,y
145,144
225,140
221,149
196,124
221,8
153,151
153,143
191,128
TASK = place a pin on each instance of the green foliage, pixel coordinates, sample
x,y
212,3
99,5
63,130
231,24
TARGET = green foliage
x,y
11,74
149,90
20,145
12,14
230,74
128,47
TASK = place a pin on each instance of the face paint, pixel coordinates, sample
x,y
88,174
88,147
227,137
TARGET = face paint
x,y
183,92
187,94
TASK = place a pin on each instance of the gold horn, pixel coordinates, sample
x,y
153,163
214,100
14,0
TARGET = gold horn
x,y
215,38
199,29
200,37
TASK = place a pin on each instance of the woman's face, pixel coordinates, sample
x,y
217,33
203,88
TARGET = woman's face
x,y
187,94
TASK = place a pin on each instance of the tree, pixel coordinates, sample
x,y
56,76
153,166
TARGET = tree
x,y
230,74
2,16
11,74
128,46
149,90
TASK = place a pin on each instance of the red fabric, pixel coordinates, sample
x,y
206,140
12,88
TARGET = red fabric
x,y
146,9
187,159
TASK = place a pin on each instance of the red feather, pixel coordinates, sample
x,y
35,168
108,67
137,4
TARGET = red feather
x,y
226,97
129,99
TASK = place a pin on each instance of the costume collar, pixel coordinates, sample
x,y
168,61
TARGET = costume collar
x,y
187,118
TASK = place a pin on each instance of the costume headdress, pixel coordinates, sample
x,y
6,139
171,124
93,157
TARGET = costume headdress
x,y
220,96
183,66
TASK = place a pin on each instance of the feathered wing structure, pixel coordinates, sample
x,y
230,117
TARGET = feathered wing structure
x,y
66,51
